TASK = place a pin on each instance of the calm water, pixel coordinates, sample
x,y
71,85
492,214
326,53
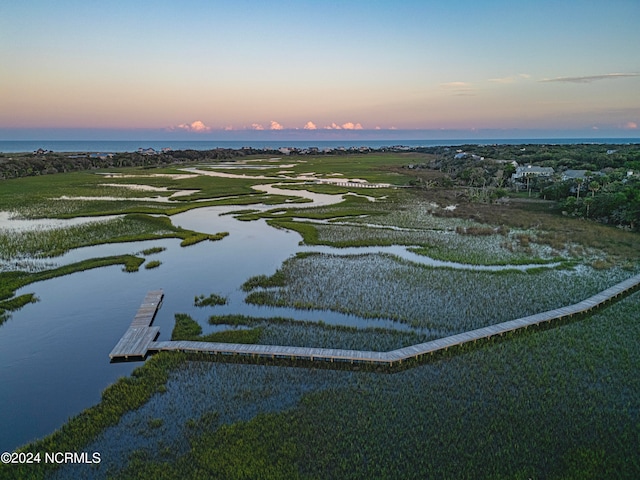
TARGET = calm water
x,y
8,146
54,354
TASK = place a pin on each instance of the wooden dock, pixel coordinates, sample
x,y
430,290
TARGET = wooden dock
x,y
136,340
141,344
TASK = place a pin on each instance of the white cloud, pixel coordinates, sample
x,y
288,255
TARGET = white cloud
x,y
197,126
275,125
257,126
310,126
459,88
344,126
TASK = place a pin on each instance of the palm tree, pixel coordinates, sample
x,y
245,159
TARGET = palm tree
x,y
579,182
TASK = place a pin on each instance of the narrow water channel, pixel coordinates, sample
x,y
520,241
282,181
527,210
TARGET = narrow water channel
x,y
54,354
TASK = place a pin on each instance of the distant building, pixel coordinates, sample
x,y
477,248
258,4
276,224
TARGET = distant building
x,y
147,151
532,171
101,155
573,175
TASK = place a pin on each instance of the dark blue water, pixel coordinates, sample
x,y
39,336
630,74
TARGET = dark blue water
x,y
54,354
8,146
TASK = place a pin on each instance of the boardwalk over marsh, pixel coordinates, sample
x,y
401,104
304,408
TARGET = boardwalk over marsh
x,y
136,340
376,358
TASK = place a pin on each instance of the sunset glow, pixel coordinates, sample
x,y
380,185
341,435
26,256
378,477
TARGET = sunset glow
x,y
206,68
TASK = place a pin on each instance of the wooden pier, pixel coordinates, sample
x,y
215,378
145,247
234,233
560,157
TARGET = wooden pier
x,y
138,343
136,340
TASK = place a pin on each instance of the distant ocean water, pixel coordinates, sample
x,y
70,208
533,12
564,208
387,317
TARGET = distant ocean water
x,y
13,146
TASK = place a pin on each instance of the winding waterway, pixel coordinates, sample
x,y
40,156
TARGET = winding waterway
x,y
54,354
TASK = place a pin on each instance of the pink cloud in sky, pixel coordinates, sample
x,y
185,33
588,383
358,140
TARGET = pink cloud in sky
x,y
310,126
197,126
344,126
228,128
257,126
276,126
631,126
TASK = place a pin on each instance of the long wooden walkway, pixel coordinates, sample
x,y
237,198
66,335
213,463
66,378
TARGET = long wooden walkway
x,y
136,340
396,356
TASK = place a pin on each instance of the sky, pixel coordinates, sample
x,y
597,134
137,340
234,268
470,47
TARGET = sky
x,y
217,69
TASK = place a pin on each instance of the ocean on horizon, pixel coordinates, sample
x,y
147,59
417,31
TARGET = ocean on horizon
x,y
115,146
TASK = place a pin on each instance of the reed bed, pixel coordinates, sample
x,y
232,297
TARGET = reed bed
x,y
43,242
289,331
153,250
443,300
561,403
210,301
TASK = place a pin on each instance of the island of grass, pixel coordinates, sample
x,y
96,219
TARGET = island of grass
x,y
209,301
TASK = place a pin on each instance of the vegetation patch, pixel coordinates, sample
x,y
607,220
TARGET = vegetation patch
x,y
558,404
127,394
186,328
153,250
130,228
12,281
445,301
152,264
210,301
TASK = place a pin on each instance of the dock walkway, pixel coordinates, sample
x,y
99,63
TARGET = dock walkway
x,y
376,358
136,340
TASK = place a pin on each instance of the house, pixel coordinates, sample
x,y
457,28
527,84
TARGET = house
x,y
573,175
528,171
147,151
101,155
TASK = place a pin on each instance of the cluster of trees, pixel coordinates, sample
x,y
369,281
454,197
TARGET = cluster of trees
x,y
23,165
608,192
613,198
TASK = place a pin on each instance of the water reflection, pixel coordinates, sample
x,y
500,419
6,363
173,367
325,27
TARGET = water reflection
x,y
54,354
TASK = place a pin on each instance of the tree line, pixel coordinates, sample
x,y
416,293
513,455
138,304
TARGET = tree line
x,y
16,165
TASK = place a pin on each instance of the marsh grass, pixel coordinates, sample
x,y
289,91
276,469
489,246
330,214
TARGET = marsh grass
x,y
444,300
127,394
289,331
13,304
210,301
153,250
12,281
557,404
130,228
152,264
186,328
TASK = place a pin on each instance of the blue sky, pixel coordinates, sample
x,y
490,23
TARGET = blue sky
x,y
202,68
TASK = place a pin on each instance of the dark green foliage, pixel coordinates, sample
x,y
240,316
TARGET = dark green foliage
x,y
192,238
152,250
11,281
210,301
152,264
234,336
278,279
185,328
558,404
